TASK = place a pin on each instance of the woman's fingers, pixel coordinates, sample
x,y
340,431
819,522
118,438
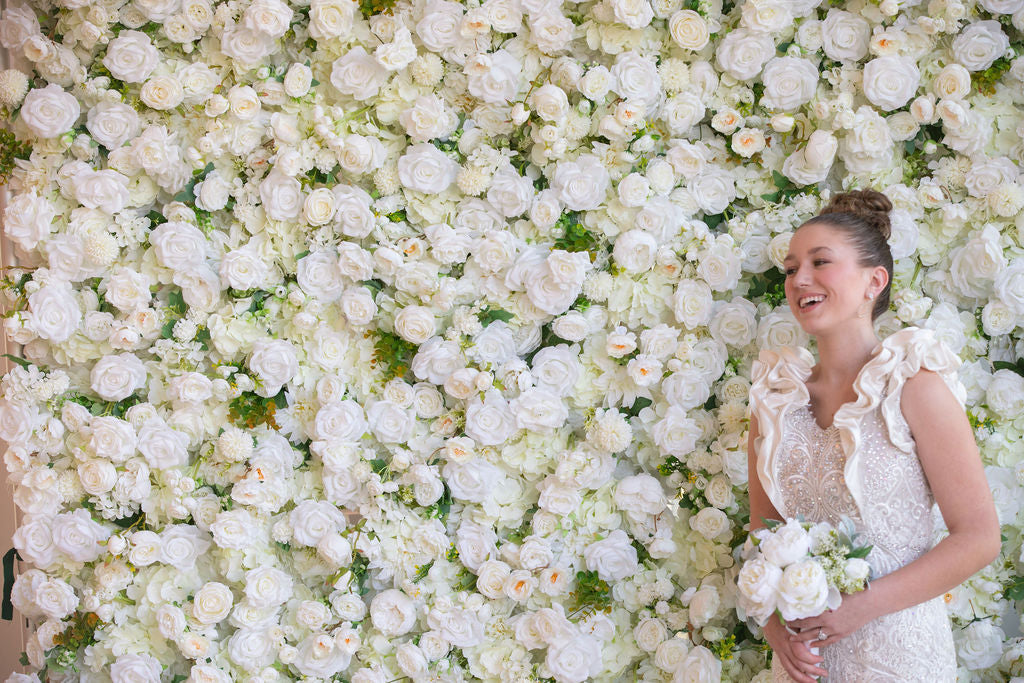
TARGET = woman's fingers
x,y
806,660
794,669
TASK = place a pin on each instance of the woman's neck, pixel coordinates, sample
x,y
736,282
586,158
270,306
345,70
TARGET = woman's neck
x,y
842,354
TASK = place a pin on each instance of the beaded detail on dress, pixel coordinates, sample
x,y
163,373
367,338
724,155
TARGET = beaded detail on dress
x,y
806,470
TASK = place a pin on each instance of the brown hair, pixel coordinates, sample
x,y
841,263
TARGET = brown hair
x,y
863,216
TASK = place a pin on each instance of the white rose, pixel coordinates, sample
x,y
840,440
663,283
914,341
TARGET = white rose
x,y
539,410
34,540
1005,394
581,184
953,82
212,603
270,17
170,620
574,660
675,434
700,666
392,612
312,520
358,74
49,112
803,590
473,480
142,668
415,324
97,476
112,438
19,23
509,192
319,276
55,598
633,13
636,78
493,77
977,263
161,446
162,93
243,269
980,44
76,535
867,146
390,422
28,219
131,57
640,496
54,312
267,586
105,190
613,557
789,82
178,246
713,189
768,16
115,378
353,211
979,645
424,168
812,163
689,30
742,53
298,80
331,18
710,523
704,605
275,363
427,118
439,28
112,124
845,36
890,82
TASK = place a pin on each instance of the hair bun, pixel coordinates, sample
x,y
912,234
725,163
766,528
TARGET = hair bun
x,y
870,205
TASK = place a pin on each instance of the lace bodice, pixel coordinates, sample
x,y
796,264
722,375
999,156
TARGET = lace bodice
x,y
865,467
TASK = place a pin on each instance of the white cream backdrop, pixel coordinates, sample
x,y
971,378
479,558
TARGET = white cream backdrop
x,y
413,340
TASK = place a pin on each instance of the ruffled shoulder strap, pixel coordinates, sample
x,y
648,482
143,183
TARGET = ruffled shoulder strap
x,y
778,385
880,385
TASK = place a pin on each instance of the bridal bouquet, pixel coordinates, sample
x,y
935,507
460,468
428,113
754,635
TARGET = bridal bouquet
x,y
800,569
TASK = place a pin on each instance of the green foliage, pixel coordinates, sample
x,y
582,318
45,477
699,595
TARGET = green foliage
x,y
769,286
985,81
397,216
422,571
79,633
442,507
20,361
488,315
1015,589
250,409
592,593
724,648
188,195
639,404
359,569
393,355
97,407
318,177
575,236
786,189
11,149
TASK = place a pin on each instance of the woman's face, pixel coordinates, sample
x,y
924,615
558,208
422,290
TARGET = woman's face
x,y
825,284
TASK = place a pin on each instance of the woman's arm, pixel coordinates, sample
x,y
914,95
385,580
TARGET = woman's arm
x,y
796,658
949,457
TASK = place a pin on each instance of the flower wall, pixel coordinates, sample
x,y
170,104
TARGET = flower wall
x,y
413,339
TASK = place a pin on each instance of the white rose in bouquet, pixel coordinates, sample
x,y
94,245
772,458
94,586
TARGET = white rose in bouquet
x,y
19,23
845,36
270,17
1005,394
768,16
281,196
50,112
267,586
472,481
632,13
77,536
105,190
581,184
979,645
980,44
976,264
891,81
178,246
867,145
689,30
700,666
743,53
162,446
212,603
613,558
28,219
574,660
427,118
136,668
812,163
788,543
55,598
789,82
321,655
953,82
331,18
640,496
439,29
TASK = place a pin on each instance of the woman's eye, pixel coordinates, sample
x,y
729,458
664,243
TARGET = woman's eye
x,y
790,271
820,262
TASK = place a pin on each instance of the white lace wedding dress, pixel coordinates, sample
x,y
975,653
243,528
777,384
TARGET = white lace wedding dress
x,y
863,466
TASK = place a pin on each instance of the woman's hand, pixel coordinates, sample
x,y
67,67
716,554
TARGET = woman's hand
x,y
796,658
854,611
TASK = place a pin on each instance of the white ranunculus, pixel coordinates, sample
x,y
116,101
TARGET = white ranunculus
x,y
493,77
425,168
743,53
49,112
115,378
613,558
891,81
789,82
758,583
980,44
274,362
803,590
845,36
392,612
581,184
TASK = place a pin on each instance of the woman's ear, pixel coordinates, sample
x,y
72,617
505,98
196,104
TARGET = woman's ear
x,y
879,279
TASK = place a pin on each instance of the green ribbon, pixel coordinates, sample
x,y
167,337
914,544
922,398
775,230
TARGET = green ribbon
x,y
7,607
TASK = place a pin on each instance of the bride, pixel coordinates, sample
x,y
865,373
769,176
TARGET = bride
x,y
875,432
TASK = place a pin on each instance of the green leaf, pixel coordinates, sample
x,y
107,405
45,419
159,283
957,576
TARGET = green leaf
x,y
20,361
422,571
188,195
781,181
176,302
128,522
489,315
167,331
1017,367
639,404
860,552
280,400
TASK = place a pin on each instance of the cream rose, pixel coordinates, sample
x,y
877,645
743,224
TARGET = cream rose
x,y
49,112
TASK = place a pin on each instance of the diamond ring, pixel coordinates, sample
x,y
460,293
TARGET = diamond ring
x,y
821,635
